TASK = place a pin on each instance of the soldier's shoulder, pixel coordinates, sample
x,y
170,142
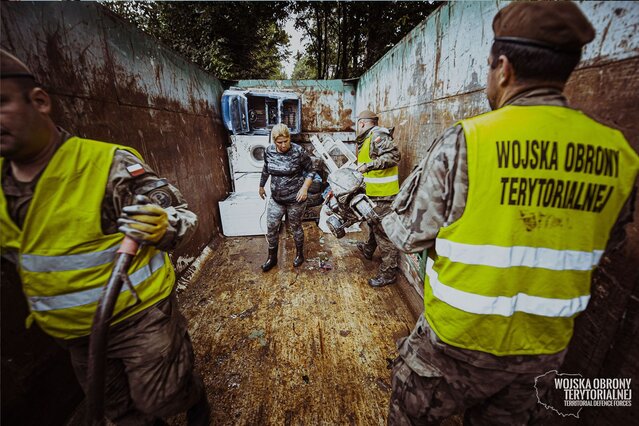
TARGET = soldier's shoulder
x,y
378,133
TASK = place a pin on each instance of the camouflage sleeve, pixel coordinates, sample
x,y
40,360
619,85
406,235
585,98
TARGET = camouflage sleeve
x,y
384,152
122,187
264,176
432,196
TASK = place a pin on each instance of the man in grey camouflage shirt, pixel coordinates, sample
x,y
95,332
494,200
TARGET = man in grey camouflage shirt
x,y
377,159
432,379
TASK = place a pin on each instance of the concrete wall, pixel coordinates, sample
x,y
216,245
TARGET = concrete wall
x,y
113,83
436,75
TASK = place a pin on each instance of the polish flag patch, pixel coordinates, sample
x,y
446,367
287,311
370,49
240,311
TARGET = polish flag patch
x,y
135,169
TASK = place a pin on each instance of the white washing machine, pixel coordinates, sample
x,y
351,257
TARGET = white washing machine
x,y
247,153
249,182
243,214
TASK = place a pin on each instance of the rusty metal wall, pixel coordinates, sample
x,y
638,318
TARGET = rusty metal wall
x,y
436,75
113,83
109,82
328,106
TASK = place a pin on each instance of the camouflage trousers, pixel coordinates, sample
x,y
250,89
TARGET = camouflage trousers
x,y
429,386
274,215
377,238
149,366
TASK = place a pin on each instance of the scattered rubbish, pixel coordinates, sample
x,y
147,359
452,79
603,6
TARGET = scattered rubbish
x,y
324,264
246,313
321,240
344,333
259,335
306,379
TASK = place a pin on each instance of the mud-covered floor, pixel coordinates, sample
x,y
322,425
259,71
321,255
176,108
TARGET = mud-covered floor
x,y
295,346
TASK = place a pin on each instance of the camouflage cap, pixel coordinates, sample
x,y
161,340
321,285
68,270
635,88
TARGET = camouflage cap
x,y
12,67
556,25
367,114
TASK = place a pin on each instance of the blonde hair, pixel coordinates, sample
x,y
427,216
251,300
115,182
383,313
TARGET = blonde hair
x,y
280,130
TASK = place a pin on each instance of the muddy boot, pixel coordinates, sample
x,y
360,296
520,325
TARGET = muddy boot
x,y
299,257
366,251
382,279
200,413
272,259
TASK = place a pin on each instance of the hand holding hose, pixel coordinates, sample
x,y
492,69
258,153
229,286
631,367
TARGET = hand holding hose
x,y
144,221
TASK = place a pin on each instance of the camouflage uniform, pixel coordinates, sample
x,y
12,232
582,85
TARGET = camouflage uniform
x,y
150,361
384,154
294,214
431,379
288,171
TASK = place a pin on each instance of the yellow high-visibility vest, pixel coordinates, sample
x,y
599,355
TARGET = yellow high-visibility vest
x,y
379,183
63,258
546,185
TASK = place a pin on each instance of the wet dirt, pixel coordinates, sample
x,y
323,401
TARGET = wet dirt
x,y
296,346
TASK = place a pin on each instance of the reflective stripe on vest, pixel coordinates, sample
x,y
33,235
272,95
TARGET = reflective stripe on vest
x,y
86,297
511,274
386,179
37,263
379,183
506,257
64,257
500,305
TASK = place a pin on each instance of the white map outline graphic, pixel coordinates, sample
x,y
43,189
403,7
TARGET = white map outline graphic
x,y
550,407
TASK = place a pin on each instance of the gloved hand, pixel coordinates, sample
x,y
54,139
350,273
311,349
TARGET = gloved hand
x,y
144,221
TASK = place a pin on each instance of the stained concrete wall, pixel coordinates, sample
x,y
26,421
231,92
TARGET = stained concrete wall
x,y
109,82
436,75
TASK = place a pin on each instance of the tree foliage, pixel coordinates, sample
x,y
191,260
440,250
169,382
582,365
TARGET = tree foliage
x,y
347,38
233,40
246,39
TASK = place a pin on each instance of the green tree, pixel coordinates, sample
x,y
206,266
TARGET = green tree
x,y
233,40
347,38
304,68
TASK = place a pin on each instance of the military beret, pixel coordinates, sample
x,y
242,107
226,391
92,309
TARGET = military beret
x,y
12,67
555,25
367,114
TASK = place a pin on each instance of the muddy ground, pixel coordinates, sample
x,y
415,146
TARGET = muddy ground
x,y
301,346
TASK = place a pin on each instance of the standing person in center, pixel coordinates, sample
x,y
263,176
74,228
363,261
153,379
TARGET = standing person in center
x,y
291,172
377,159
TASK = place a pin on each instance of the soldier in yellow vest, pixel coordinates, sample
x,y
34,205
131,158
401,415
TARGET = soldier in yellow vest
x,y
377,158
65,205
515,208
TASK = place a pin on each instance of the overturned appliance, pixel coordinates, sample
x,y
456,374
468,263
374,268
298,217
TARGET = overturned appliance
x,y
348,202
256,111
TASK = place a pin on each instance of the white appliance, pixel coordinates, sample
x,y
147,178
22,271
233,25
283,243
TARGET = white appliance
x,y
246,153
250,182
243,214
